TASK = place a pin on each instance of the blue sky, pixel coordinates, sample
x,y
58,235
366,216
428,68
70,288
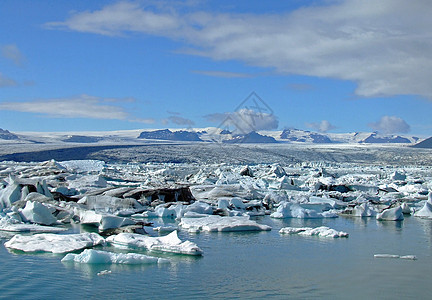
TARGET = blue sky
x,y
331,65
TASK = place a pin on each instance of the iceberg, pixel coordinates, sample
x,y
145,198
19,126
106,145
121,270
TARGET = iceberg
x,y
91,256
103,221
218,223
391,214
55,243
409,257
426,211
322,231
169,243
363,210
36,212
294,210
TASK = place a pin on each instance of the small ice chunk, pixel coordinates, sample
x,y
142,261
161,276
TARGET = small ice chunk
x,y
409,257
294,210
55,243
386,256
391,214
169,243
322,231
104,272
165,228
103,221
218,223
91,256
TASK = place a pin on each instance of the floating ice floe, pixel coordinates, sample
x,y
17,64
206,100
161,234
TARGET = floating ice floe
x,y
295,210
322,231
91,256
55,243
391,214
218,223
7,225
169,243
411,257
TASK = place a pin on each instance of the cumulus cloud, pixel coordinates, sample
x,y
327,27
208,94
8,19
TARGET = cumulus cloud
x,y
322,126
245,120
83,106
5,81
385,47
390,124
12,53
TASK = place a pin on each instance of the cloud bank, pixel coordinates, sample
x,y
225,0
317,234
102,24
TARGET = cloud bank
x,y
390,125
322,126
245,120
384,46
12,53
83,106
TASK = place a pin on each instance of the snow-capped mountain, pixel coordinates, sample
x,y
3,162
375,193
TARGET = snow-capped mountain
x,y
209,134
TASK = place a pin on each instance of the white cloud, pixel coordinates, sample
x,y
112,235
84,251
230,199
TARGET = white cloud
x,y
12,53
245,120
223,74
322,126
385,46
390,124
5,81
178,121
83,106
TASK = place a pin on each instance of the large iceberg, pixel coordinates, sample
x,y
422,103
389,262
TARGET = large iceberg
x,y
218,223
322,231
55,243
91,256
169,243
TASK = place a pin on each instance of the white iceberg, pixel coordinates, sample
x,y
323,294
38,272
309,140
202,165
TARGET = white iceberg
x,y
169,243
218,223
363,210
426,211
36,212
391,214
322,231
55,243
103,221
294,210
91,256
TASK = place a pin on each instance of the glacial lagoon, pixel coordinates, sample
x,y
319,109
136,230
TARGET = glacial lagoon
x,y
246,265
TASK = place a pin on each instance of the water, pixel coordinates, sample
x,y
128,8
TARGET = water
x,y
247,266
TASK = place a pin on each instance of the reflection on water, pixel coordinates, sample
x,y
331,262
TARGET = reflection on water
x,y
247,265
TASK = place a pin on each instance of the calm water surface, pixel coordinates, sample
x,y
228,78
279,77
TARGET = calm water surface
x,y
247,266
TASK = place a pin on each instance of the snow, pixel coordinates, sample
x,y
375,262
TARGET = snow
x,y
218,223
169,243
91,256
55,243
322,231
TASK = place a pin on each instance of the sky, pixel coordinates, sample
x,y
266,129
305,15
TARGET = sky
x,y
327,66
